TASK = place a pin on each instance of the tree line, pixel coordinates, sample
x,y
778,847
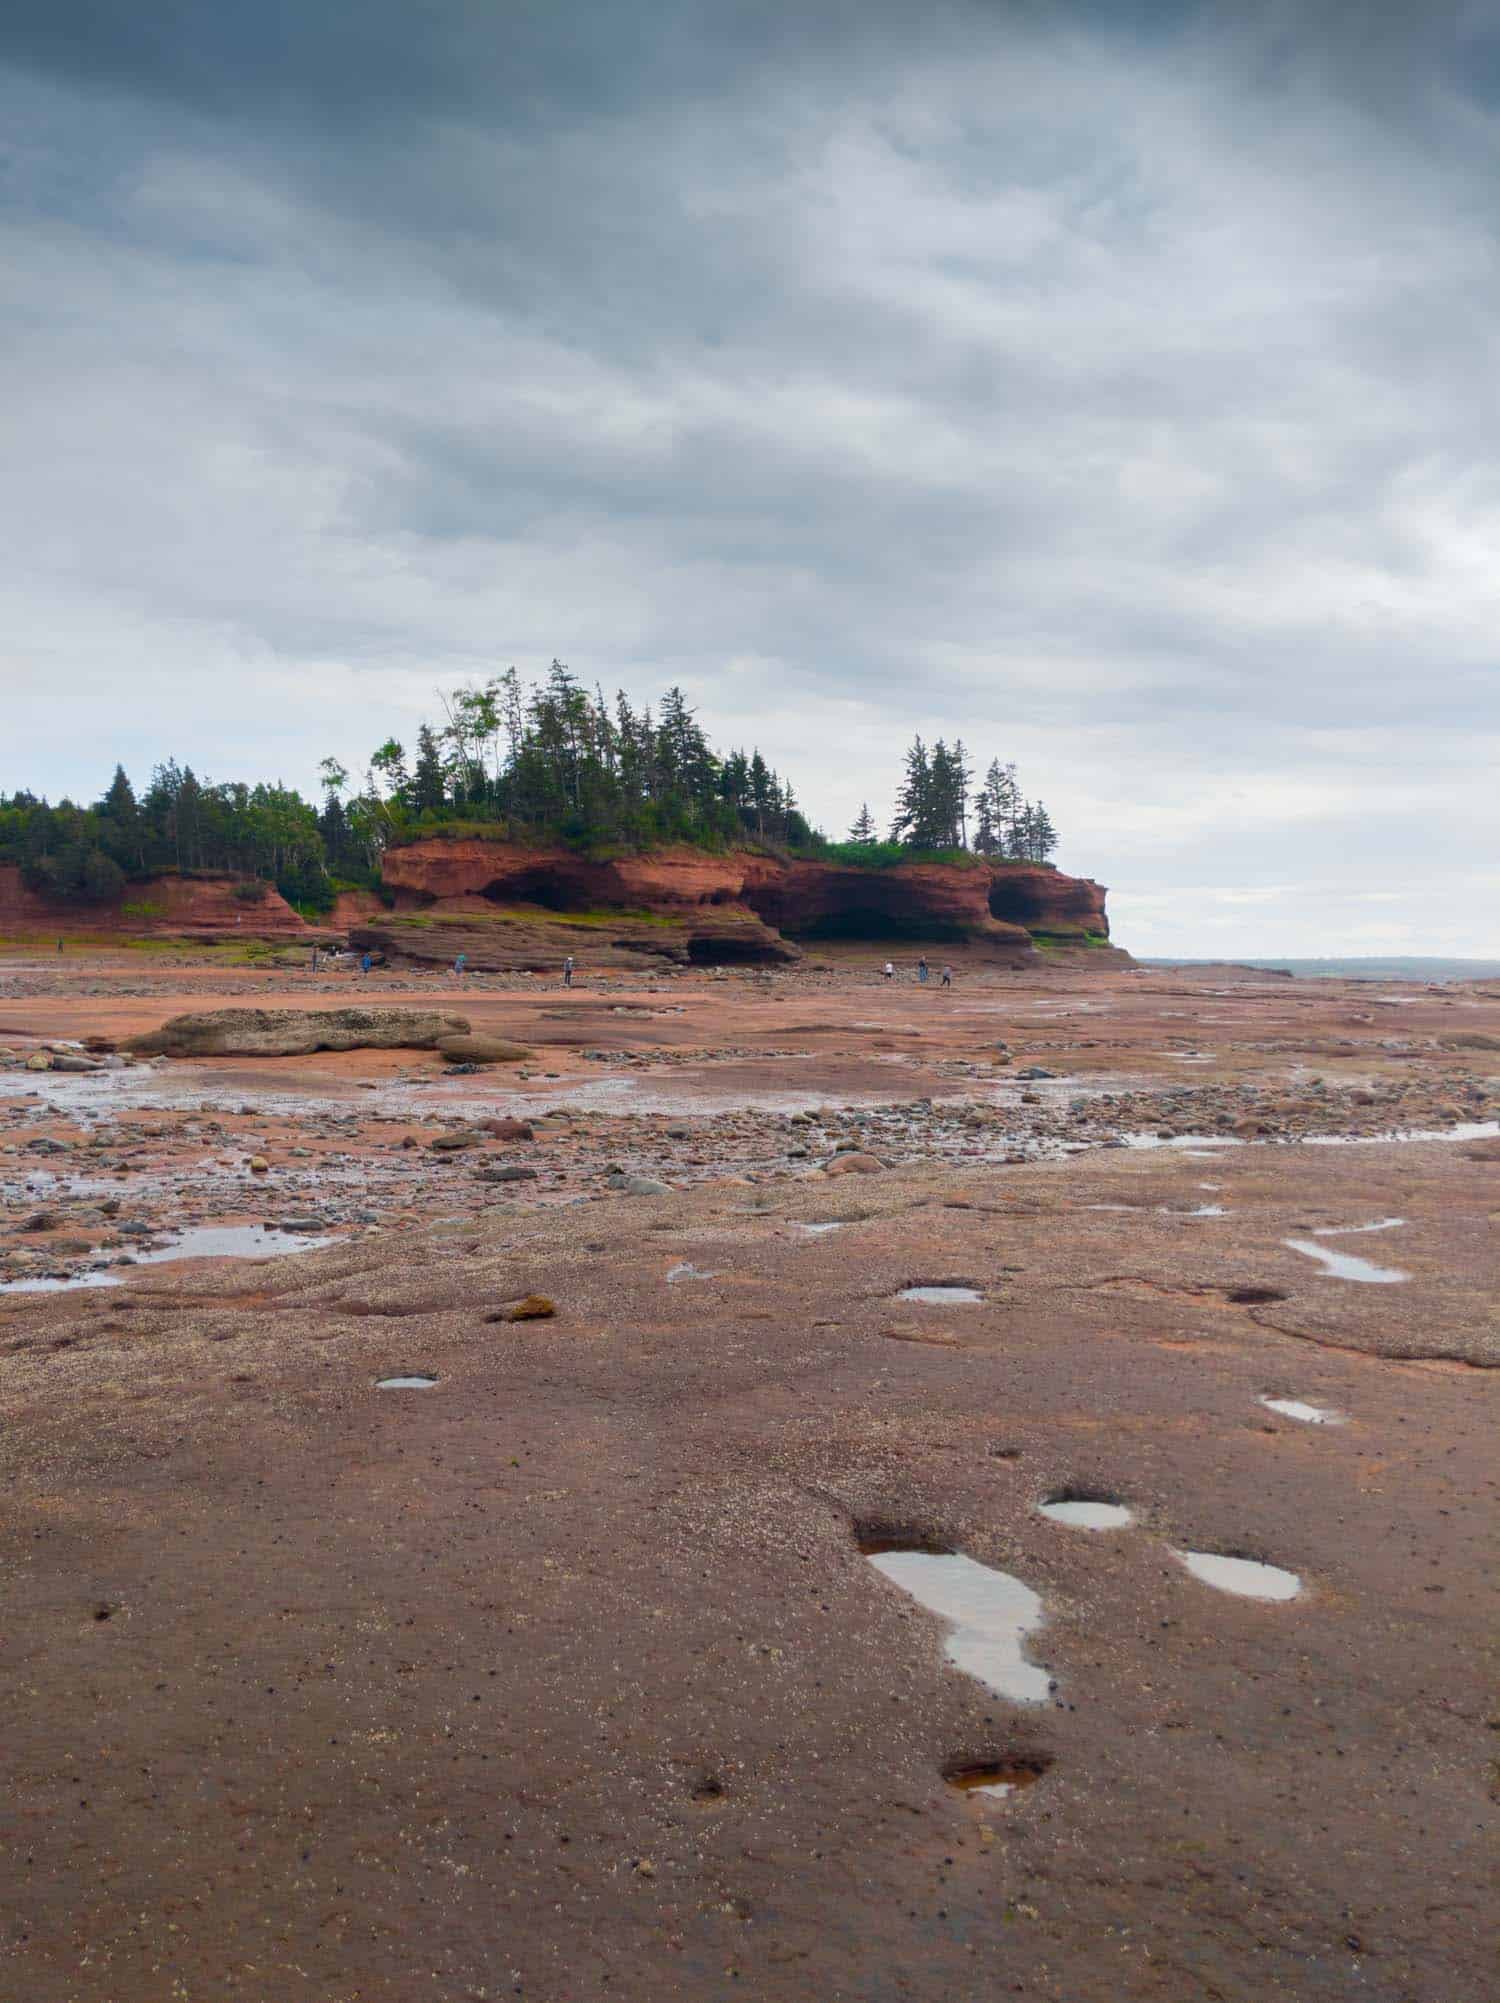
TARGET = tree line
x,y
939,809
557,759
550,760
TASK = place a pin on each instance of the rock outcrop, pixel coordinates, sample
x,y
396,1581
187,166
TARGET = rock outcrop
x,y
512,905
292,1032
192,907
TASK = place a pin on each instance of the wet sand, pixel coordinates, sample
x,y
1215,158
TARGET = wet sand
x,y
569,1677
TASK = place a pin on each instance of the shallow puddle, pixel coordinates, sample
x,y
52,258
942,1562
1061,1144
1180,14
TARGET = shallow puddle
x,y
405,1383
1357,1230
1080,1515
1345,1266
1246,1576
941,1297
1310,1415
59,1286
687,1271
997,1780
990,1613
817,1230
233,1241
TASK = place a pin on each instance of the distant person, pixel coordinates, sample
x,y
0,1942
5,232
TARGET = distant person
x,y
365,964
947,977
315,959
890,971
922,970
568,971
458,966
59,945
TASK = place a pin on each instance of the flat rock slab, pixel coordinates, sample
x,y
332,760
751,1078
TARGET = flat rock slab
x,y
585,1637
290,1032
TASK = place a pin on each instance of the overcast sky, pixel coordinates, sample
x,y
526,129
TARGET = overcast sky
x,y
1114,387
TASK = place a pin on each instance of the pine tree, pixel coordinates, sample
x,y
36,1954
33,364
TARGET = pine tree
x,y
123,834
863,829
914,799
427,774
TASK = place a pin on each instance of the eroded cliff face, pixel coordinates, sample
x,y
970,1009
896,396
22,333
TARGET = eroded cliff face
x,y
514,905
166,906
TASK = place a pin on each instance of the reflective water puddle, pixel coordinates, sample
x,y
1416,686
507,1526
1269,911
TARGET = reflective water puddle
x,y
1310,1415
1245,1576
997,1779
990,1613
1345,1266
233,1241
59,1286
405,1383
1357,1230
939,1297
1081,1515
817,1230
687,1271
205,1241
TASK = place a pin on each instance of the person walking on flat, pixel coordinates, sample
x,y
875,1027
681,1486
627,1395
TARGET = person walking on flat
x,y
568,971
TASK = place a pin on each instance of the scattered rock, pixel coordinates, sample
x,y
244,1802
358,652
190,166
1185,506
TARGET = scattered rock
x,y
476,1048
535,1307
854,1163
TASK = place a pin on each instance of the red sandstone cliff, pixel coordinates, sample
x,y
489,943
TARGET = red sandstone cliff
x,y
687,904
172,906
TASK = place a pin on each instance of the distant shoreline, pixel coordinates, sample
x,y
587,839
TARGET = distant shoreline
x,y
1374,967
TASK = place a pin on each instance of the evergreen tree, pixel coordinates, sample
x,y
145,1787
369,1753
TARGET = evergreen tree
x,y
427,773
863,829
913,798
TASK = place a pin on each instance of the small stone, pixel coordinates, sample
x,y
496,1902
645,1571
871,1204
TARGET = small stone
x,y
853,1163
535,1307
259,1165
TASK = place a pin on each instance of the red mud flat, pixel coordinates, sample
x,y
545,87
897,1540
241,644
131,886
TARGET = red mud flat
x,y
568,1678
568,1673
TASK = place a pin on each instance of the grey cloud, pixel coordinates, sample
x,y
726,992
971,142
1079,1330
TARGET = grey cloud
x,y
1104,385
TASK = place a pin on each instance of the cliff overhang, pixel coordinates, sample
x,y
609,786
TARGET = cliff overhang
x,y
509,904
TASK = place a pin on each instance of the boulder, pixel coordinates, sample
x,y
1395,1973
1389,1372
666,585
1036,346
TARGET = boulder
x,y
853,1163
289,1032
474,1047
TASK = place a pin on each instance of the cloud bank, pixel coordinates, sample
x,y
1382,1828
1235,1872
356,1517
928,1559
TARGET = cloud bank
x,y
1110,387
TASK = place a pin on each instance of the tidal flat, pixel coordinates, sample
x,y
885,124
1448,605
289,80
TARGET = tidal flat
x,y
559,1669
